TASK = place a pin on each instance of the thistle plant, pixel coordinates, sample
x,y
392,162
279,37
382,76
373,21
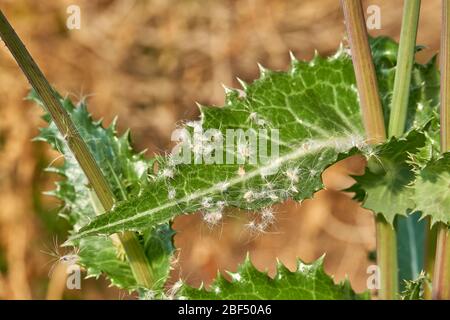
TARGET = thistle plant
x,y
370,99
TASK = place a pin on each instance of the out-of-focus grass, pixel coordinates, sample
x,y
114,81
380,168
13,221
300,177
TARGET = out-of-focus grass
x,y
148,62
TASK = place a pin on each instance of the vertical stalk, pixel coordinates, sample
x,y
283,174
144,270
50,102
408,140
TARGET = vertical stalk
x,y
445,77
366,80
430,253
374,125
405,63
441,277
387,259
135,254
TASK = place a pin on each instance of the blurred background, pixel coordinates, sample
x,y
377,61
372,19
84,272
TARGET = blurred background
x,y
149,62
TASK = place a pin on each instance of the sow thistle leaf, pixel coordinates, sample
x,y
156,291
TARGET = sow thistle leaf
x,y
314,106
307,282
159,248
100,257
126,172
414,289
384,188
432,190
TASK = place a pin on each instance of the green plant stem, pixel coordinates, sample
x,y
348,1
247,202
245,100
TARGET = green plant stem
x,y
387,259
441,277
374,125
405,61
135,254
430,254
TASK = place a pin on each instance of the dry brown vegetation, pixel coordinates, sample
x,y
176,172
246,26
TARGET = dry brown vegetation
x,y
148,62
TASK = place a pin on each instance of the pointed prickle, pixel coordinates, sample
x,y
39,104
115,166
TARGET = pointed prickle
x,y
262,69
113,124
227,89
199,105
243,84
278,263
292,56
316,54
98,122
339,52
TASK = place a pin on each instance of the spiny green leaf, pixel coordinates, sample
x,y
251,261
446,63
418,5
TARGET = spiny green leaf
x,y
99,256
314,106
126,172
307,282
384,188
158,246
431,150
432,190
